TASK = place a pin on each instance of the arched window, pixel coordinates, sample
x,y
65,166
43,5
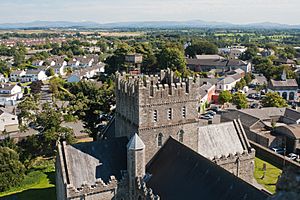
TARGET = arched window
x,y
284,95
291,96
159,139
180,135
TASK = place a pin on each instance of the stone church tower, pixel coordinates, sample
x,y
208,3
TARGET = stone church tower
x,y
156,107
135,163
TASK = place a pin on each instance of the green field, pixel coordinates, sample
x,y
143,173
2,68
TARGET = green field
x,y
271,176
37,184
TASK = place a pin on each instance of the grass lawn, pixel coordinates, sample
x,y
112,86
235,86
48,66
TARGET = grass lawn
x,y
38,184
271,176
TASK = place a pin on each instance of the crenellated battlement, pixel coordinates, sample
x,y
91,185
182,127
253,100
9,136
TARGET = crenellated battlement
x,y
231,158
157,86
98,187
147,192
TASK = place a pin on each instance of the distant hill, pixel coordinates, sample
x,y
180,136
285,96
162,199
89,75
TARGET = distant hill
x,y
145,24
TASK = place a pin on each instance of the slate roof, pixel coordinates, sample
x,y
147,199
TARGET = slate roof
x,y
289,83
135,143
177,173
87,162
220,139
292,114
292,130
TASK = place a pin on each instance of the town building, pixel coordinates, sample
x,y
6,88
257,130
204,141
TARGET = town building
x,y
229,81
15,76
8,122
269,127
86,73
287,88
3,79
206,63
33,75
10,94
237,51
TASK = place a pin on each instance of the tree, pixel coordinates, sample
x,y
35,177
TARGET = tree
x,y
11,169
240,100
249,54
201,47
273,99
27,111
241,84
172,58
224,97
36,87
50,72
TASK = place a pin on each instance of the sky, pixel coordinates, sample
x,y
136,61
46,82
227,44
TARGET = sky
x,y
105,11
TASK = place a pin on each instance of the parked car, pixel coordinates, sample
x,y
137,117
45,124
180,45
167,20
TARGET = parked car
x,y
254,105
208,117
293,156
211,112
278,150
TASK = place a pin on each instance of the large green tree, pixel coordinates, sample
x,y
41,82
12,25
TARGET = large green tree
x,y
172,58
273,99
225,97
11,169
240,100
201,47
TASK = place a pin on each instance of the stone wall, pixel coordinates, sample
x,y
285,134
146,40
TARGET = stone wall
x,y
241,165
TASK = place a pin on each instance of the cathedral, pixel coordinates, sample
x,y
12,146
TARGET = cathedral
x,y
155,148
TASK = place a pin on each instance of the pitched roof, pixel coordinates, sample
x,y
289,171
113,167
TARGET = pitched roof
x,y
86,162
177,173
283,84
220,139
292,114
293,130
211,57
135,143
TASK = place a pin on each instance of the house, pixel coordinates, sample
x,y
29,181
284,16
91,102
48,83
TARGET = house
x,y
287,88
285,61
59,70
229,82
34,75
10,94
86,73
7,121
259,80
3,79
207,90
38,63
16,75
237,51
85,61
73,63
206,63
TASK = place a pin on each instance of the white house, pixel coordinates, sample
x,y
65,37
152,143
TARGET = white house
x,y
73,63
16,76
85,61
229,82
87,73
9,94
38,63
6,120
3,79
34,75
59,70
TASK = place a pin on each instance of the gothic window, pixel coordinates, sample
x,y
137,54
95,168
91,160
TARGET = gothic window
x,y
184,112
159,139
180,135
155,116
169,113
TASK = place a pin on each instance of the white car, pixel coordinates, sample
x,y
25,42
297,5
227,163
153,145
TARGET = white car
x,y
293,156
207,117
